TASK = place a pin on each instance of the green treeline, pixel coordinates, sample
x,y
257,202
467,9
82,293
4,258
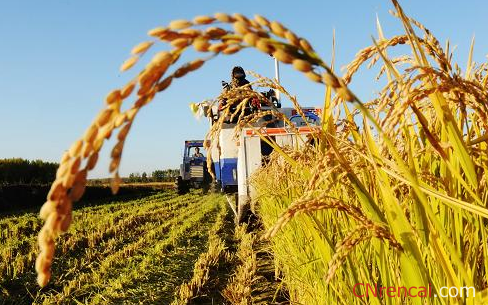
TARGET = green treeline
x,y
165,175
21,171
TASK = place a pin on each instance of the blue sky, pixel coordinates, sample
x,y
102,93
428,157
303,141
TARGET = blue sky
x,y
58,60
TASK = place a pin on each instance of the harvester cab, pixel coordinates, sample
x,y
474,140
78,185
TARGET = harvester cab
x,y
193,169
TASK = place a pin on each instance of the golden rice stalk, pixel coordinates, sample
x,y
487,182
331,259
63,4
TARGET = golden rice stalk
x,y
57,190
264,46
169,36
114,165
113,97
278,29
129,63
180,43
180,72
98,144
203,20
115,183
302,65
75,149
92,161
231,49
141,47
232,40
120,119
314,77
222,17
190,33
215,32
66,222
104,117
251,38
196,64
292,38
78,186
126,91
161,61
217,47
306,45
201,44
47,208
156,32
179,24
164,83
123,132
131,113
90,134
241,28
241,18
331,80
74,165
261,20
87,149
283,56
345,94
43,277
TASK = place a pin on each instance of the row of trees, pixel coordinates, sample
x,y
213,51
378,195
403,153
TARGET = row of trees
x,y
21,171
156,176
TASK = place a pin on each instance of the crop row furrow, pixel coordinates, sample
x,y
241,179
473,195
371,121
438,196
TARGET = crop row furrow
x,y
94,271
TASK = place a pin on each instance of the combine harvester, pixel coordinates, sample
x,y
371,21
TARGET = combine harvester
x,y
234,161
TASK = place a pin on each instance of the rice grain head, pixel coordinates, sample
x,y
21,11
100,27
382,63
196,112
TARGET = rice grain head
x,y
251,38
225,18
156,32
180,24
203,20
302,65
264,46
278,29
129,63
262,20
142,47
283,56
201,44
231,49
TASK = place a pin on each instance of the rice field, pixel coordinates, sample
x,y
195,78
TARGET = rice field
x,y
389,192
131,251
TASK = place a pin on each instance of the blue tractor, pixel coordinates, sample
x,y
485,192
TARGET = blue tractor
x,y
193,170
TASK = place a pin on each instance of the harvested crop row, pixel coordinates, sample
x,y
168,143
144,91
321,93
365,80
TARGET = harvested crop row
x,y
89,231
238,290
96,273
208,262
168,261
99,244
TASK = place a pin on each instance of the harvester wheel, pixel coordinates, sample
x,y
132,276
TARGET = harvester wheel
x,y
181,186
205,187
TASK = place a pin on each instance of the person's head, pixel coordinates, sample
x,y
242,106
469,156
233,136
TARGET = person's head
x,y
197,150
238,73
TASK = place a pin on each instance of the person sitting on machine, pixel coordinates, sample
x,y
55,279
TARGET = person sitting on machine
x,y
197,153
238,79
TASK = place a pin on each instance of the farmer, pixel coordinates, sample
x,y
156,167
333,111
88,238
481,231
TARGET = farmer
x,y
238,79
197,153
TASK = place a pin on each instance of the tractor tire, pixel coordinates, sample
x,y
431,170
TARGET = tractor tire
x,y
205,187
181,186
